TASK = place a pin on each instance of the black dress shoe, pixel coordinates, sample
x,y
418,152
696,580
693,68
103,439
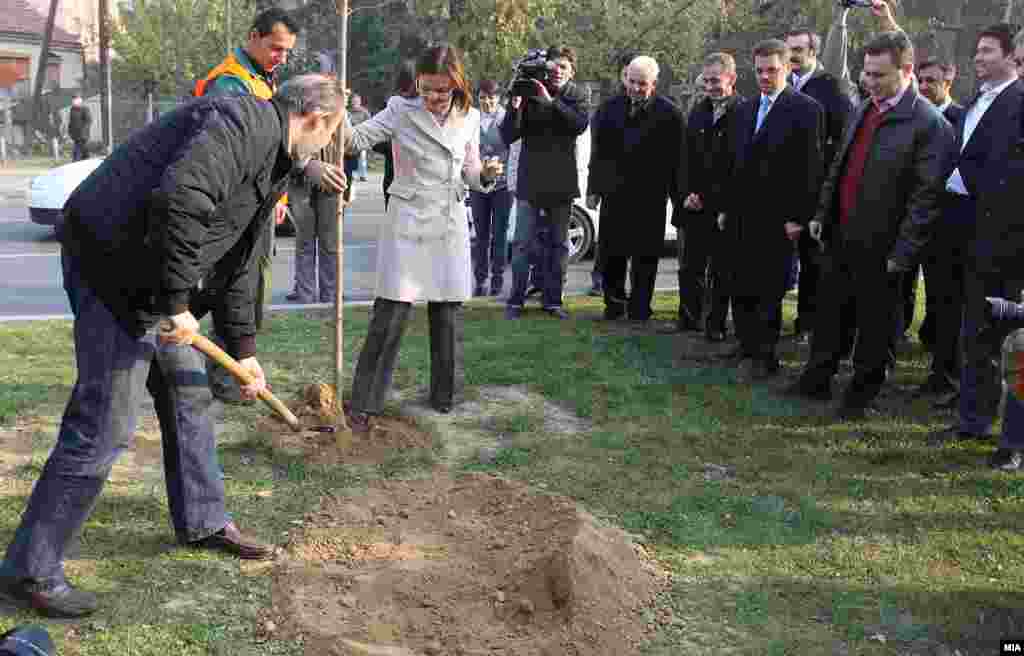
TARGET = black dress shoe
x,y
802,338
765,369
443,408
613,313
1008,460
732,355
557,313
715,336
810,391
533,291
230,540
851,412
50,599
687,324
480,289
952,434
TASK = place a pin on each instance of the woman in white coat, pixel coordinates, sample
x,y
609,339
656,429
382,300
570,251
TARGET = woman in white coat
x,y
423,247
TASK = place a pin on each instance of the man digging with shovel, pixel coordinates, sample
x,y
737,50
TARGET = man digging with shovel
x,y
185,198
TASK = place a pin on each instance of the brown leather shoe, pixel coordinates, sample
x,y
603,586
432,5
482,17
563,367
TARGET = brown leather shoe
x,y
49,599
230,540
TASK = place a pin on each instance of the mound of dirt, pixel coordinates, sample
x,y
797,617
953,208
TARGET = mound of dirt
x,y
316,407
469,566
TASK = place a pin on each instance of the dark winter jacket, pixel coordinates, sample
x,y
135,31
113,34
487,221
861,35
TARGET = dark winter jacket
x,y
897,201
828,91
185,198
547,172
635,167
79,123
709,157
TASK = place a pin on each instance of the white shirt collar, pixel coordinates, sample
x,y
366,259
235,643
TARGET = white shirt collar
x,y
993,92
801,80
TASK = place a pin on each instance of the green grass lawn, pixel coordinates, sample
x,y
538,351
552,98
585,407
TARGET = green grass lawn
x,y
785,533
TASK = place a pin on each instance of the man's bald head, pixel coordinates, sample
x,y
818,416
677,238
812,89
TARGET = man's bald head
x,y
644,65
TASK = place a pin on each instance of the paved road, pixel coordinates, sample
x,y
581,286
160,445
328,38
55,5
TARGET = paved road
x,y
30,283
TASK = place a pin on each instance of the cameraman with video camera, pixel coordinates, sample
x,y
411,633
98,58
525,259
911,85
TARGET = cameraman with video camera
x,y
547,112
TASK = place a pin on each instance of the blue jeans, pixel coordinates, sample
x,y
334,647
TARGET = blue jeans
x,y
547,230
490,218
363,170
114,370
80,151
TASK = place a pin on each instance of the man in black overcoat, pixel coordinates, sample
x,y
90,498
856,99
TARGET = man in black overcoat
x,y
810,77
942,261
634,170
709,158
771,197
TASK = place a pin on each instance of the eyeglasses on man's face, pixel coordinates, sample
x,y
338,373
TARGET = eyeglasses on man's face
x,y
427,91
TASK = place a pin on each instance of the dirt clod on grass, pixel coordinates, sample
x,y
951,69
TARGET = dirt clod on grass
x,y
470,565
317,406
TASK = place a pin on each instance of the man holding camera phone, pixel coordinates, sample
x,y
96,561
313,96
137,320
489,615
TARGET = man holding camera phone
x,y
548,116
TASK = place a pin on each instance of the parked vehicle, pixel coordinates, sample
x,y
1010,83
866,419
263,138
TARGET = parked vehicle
x,y
49,191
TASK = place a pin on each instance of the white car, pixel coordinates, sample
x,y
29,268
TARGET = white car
x,y
584,224
48,192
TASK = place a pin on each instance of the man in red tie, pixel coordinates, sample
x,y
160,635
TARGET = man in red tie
x,y
875,209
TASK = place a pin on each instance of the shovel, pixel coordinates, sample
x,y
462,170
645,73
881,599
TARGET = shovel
x,y
217,354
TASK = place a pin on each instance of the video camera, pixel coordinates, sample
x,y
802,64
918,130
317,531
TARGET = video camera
x,y
535,66
851,4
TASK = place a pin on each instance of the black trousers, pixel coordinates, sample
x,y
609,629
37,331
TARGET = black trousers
x,y
856,288
758,321
808,251
981,385
376,365
701,274
644,275
944,276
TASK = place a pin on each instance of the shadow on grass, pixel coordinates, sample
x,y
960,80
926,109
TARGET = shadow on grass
x,y
781,615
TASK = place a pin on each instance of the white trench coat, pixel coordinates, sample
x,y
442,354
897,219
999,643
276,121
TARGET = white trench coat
x,y
423,246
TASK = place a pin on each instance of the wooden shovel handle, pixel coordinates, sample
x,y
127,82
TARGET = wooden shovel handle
x,y
218,355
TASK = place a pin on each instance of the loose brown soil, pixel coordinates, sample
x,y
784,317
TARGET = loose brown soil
x,y
317,407
467,565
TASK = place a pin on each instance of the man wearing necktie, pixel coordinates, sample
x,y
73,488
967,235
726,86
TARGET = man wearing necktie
x,y
770,195
982,185
810,78
874,214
